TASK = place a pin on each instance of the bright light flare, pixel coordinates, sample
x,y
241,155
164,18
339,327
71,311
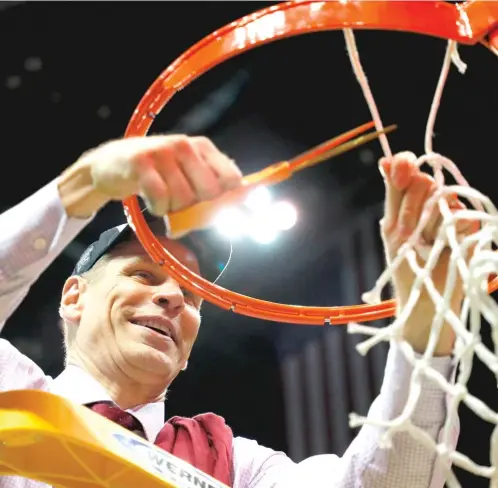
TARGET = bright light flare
x,y
259,199
283,215
263,231
259,218
232,223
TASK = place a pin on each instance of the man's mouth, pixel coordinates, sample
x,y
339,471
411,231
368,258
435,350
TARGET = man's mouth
x,y
159,326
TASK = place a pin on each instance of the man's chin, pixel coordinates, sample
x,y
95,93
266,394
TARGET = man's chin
x,y
148,359
159,342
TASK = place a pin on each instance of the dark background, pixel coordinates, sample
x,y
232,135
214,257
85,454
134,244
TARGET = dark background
x,y
71,74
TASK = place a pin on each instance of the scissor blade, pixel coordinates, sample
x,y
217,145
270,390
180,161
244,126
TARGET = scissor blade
x,y
347,146
330,144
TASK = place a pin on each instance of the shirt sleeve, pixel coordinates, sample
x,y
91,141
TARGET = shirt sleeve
x,y
34,233
18,372
365,464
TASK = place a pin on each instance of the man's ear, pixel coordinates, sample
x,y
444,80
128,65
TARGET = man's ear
x,y
72,302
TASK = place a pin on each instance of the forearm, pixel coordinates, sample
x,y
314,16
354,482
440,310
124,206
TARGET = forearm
x,y
408,462
34,233
417,335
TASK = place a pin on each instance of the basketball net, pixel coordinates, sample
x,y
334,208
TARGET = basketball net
x,y
473,273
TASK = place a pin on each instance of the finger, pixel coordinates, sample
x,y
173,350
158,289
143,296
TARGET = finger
x,y
393,197
199,174
403,168
413,203
181,193
397,175
463,226
434,221
152,187
229,175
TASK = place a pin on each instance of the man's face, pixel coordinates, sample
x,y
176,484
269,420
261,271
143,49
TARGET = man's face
x,y
134,317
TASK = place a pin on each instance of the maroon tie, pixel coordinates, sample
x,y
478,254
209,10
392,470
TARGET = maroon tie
x,y
120,417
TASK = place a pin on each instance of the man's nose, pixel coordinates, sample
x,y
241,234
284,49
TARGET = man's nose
x,y
169,296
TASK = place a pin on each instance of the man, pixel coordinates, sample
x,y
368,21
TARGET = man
x,y
130,327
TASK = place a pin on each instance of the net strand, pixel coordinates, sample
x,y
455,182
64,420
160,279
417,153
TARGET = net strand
x,y
354,56
470,259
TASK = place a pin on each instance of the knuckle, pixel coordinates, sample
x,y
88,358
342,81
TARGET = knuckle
x,y
139,163
426,180
385,229
144,157
230,181
418,188
183,144
392,241
159,207
211,191
154,155
204,143
386,226
408,214
231,170
186,199
409,209
190,199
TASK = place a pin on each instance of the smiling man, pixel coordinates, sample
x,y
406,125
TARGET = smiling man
x,y
129,327
140,329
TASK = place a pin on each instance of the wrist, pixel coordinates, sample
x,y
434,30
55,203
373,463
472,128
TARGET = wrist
x,y
418,338
417,330
78,195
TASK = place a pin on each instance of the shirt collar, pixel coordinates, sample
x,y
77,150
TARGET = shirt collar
x,y
78,386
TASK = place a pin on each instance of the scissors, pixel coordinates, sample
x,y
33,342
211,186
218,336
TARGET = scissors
x,y
203,214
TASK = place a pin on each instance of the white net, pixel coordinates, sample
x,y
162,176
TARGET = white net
x,y
474,274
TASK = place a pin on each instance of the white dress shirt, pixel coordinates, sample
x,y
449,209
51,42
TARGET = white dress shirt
x,y
32,235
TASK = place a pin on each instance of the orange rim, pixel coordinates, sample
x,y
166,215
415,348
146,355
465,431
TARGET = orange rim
x,y
433,18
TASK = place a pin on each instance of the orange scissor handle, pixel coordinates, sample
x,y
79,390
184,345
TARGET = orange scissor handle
x,y
203,214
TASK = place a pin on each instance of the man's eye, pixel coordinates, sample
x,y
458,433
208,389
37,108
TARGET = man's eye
x,y
187,293
144,275
191,296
